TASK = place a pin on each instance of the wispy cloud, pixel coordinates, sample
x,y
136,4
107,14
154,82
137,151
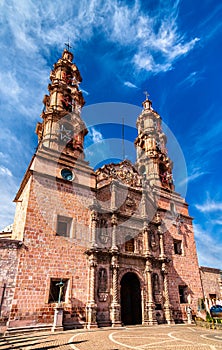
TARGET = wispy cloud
x,y
8,192
95,135
217,222
209,206
192,79
130,85
5,171
84,91
153,39
210,25
209,250
192,177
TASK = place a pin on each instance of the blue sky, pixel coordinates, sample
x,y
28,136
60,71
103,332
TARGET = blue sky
x,y
170,48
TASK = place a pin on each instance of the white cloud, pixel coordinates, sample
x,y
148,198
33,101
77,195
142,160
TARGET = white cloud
x,y
9,86
5,171
192,79
130,85
209,250
216,222
85,92
209,206
192,177
95,135
154,40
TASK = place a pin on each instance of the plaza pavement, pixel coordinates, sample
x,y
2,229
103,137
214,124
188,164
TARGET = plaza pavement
x,y
163,337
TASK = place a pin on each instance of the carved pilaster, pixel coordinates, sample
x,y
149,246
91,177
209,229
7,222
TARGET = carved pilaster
x,y
146,240
94,220
91,306
167,306
162,250
114,228
150,306
115,306
113,196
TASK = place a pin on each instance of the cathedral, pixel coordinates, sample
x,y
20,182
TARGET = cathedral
x,y
110,247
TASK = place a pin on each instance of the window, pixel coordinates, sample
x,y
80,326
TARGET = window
x,y
183,294
213,296
67,174
177,246
129,245
57,290
63,226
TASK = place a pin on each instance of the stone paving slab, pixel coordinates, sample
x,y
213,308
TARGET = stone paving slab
x,y
181,337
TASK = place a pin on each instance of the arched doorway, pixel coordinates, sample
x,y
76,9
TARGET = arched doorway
x,y
131,311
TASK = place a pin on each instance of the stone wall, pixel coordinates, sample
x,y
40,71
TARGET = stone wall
x,y
49,256
211,281
9,251
183,269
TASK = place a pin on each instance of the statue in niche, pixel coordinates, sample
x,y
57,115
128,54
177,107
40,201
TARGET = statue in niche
x,y
102,284
154,244
103,232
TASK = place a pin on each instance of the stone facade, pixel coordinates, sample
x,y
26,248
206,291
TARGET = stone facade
x,y
212,282
118,241
10,250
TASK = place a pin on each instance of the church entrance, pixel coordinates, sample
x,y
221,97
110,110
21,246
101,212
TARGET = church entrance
x,y
131,311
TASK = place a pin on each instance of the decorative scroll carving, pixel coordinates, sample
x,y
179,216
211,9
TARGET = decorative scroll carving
x,y
102,285
124,172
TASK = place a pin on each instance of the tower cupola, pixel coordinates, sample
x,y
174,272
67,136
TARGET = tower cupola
x,y
62,128
152,158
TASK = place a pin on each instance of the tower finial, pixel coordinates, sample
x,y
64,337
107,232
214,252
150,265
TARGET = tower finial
x,y
147,104
146,94
68,45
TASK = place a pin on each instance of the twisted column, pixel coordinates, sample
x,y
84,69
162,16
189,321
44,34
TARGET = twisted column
x,y
167,306
115,306
91,305
150,306
114,228
162,250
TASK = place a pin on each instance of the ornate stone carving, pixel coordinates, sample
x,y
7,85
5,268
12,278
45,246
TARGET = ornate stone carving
x,y
130,202
124,172
153,240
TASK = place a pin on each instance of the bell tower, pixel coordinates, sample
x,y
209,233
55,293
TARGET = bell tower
x,y
62,128
152,159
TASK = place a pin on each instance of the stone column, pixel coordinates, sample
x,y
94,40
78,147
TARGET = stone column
x,y
162,250
114,228
94,219
115,306
146,246
91,304
167,306
150,306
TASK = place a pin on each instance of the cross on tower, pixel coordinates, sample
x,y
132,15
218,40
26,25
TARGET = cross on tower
x,y
68,45
146,94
